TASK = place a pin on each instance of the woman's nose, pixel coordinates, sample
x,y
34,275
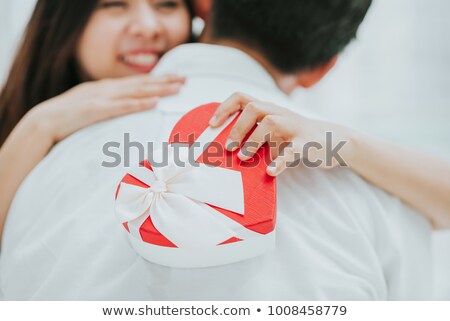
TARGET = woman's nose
x,y
145,23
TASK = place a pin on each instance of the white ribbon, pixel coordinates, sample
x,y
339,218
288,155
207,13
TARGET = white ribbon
x,y
177,197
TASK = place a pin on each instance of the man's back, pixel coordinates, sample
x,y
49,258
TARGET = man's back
x,y
337,236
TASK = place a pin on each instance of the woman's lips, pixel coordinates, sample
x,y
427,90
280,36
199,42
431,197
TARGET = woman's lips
x,y
140,61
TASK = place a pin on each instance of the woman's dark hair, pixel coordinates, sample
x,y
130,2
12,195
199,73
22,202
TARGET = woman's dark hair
x,y
45,64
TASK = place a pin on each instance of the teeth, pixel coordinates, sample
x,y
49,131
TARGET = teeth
x,y
140,59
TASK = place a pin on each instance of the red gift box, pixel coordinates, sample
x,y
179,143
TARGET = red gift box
x,y
259,197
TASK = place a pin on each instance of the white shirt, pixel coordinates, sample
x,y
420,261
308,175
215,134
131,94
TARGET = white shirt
x,y
338,237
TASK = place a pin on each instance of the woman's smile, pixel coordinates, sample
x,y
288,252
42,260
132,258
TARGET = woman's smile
x,y
140,60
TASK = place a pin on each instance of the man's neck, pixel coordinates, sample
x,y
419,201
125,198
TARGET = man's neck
x,y
287,83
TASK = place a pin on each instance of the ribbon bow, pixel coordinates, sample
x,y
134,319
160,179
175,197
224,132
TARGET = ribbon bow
x,y
177,196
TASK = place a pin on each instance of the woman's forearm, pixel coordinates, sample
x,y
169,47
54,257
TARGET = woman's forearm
x,y
26,146
418,179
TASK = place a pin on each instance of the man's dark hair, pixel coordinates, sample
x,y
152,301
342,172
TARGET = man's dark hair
x,y
293,35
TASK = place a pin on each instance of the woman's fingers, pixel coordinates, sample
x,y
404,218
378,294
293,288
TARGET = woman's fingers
x,y
260,135
246,121
234,103
94,101
284,130
253,111
121,107
288,158
171,78
153,90
149,80
143,86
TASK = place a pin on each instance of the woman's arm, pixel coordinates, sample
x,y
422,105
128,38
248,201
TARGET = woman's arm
x,y
29,142
53,120
418,179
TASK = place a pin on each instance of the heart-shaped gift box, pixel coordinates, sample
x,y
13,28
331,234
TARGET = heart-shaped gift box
x,y
212,209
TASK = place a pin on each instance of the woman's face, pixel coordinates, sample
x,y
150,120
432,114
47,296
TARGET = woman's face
x,y
128,37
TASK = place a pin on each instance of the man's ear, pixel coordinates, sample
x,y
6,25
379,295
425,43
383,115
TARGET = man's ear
x,y
202,8
309,78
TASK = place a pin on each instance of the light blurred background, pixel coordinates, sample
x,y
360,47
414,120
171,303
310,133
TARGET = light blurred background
x,y
390,82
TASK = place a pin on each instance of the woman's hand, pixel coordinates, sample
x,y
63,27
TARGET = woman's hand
x,y
57,118
418,179
94,101
292,138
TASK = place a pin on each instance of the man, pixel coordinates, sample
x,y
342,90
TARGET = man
x,y
337,236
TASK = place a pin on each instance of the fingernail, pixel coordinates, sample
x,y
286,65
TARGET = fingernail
x,y
271,169
241,155
213,121
231,145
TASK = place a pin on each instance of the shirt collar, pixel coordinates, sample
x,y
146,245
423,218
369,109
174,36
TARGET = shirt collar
x,y
213,60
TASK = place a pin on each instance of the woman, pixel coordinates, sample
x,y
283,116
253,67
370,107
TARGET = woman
x,y
81,63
